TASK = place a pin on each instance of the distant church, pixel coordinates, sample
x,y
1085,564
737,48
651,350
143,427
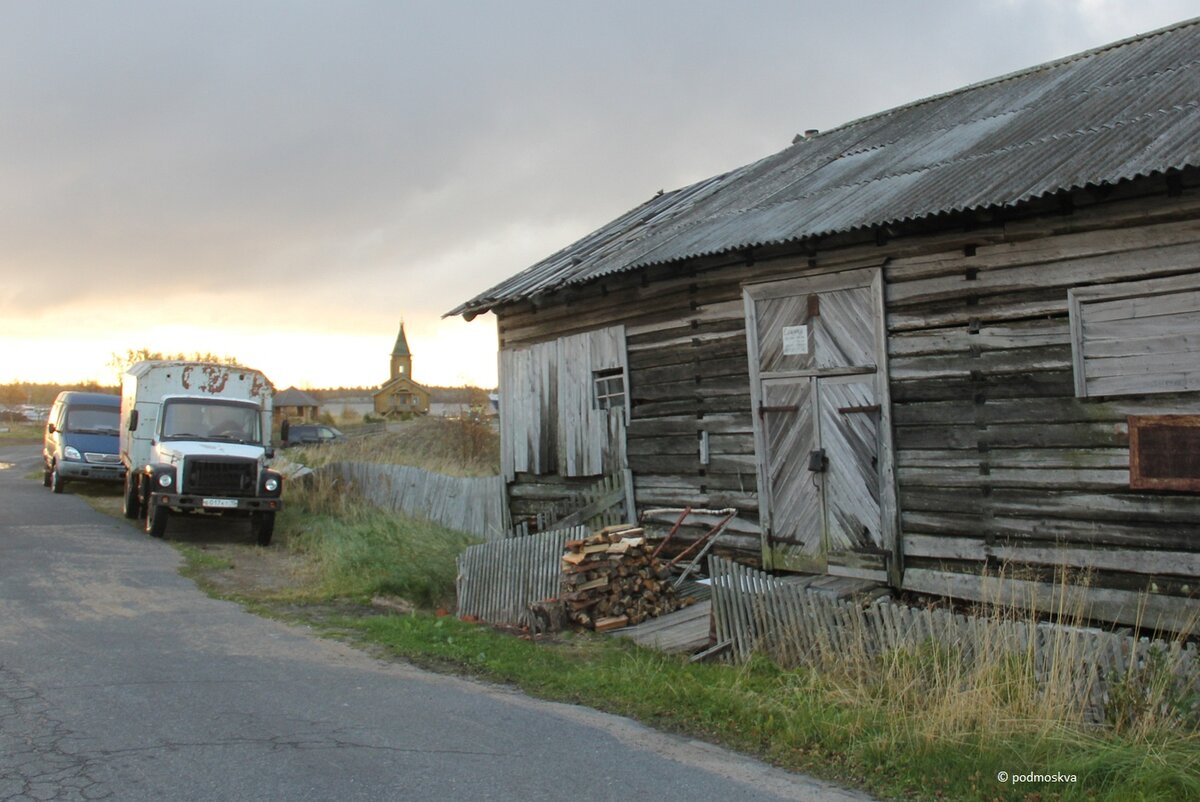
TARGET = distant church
x,y
400,395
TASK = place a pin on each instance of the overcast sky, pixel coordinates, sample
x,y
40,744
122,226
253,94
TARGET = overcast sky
x,y
283,181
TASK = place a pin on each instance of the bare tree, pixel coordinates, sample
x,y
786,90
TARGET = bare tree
x,y
122,362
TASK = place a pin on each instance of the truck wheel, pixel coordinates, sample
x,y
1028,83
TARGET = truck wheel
x,y
156,519
262,525
133,502
56,481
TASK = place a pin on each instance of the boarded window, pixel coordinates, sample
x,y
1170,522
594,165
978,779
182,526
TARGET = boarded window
x,y
1136,337
562,405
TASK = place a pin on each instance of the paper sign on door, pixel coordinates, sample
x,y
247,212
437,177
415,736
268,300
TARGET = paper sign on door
x,y
795,340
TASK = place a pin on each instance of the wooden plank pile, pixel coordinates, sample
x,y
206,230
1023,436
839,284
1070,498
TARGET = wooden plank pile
x,y
611,580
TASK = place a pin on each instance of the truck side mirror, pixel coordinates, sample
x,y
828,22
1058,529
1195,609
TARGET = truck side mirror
x,y
133,420
50,427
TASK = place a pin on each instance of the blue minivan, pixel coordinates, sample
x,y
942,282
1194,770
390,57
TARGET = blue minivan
x,y
81,440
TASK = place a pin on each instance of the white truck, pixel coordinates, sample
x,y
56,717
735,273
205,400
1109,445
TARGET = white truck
x,y
195,439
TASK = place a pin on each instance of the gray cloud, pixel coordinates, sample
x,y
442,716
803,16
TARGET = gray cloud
x,y
235,147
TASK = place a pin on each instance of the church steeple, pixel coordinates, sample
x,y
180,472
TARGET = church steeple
x,y
401,356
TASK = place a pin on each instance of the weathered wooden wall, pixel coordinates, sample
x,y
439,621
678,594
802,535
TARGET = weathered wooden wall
x,y
997,459
547,421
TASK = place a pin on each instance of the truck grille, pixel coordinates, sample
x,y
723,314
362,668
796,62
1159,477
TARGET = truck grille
x,y
219,476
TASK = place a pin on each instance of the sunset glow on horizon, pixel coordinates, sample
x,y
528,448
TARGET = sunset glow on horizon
x,y
446,353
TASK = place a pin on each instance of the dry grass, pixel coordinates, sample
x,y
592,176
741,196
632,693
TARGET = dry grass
x,y
998,694
443,445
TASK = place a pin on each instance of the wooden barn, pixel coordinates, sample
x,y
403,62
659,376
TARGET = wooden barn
x,y
958,335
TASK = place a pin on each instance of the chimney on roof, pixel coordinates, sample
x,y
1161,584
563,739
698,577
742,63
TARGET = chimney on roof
x,y
807,135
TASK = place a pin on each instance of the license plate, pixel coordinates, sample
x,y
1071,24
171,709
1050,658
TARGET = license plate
x,y
221,502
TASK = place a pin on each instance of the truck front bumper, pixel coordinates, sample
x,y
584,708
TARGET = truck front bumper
x,y
216,504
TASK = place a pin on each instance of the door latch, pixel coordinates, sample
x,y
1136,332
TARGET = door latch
x,y
817,461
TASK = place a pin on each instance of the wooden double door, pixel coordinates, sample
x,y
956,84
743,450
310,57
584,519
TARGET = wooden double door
x,y
822,424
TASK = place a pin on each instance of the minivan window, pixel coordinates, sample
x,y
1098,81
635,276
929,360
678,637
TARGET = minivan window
x,y
92,420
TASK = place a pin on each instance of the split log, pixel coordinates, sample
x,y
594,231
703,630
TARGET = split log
x,y
611,579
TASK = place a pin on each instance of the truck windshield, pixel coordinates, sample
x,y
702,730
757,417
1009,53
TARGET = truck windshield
x,y
202,419
92,420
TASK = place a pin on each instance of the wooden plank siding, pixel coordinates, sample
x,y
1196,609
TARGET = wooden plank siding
x,y
995,456
998,461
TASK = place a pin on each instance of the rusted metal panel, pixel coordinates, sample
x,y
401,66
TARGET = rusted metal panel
x,y
1164,452
1127,110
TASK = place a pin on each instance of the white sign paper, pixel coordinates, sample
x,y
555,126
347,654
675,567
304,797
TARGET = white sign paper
x,y
795,340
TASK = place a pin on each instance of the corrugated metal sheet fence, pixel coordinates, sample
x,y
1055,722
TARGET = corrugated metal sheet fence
x,y
467,504
757,612
498,581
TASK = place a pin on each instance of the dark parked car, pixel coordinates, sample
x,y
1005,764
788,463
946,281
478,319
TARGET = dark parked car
x,y
308,434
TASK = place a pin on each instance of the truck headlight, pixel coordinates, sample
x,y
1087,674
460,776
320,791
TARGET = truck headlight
x,y
165,480
71,452
271,485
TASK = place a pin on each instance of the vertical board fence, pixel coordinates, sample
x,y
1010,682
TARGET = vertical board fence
x,y
467,504
756,612
498,581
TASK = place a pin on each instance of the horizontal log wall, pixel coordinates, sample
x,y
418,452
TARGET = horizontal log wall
x,y
998,461
992,445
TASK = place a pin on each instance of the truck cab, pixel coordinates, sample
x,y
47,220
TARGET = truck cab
x,y
195,440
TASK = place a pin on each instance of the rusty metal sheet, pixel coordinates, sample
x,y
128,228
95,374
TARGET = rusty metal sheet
x,y
1164,452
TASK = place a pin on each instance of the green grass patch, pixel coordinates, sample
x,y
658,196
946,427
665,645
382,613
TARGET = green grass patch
x,y
198,561
362,551
20,433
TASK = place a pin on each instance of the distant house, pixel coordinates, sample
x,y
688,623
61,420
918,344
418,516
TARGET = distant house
x,y
948,338
296,405
459,402
400,395
348,406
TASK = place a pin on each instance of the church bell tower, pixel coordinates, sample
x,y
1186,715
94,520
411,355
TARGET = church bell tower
x,y
401,356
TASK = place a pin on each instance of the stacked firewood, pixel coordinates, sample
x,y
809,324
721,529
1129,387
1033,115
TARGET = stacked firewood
x,y
610,580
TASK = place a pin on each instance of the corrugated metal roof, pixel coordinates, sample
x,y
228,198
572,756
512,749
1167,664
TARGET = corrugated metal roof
x,y
1123,111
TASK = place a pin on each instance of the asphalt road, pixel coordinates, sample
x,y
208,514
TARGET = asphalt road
x,y
120,680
